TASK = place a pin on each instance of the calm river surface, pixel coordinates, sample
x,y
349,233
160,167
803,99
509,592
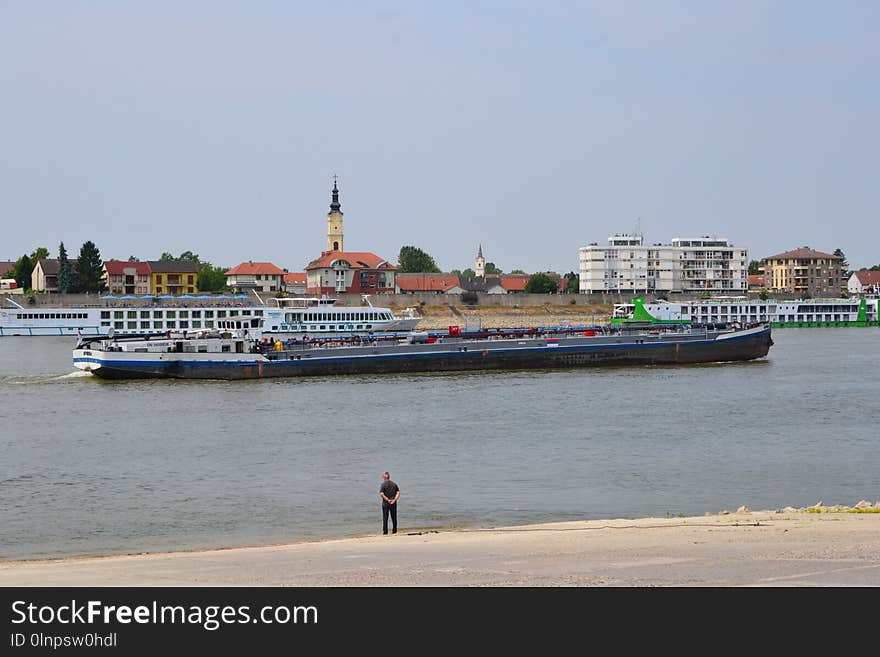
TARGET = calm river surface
x,y
94,467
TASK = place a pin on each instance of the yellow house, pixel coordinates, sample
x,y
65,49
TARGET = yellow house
x,y
173,277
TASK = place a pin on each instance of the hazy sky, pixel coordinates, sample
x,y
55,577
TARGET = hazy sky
x,y
532,127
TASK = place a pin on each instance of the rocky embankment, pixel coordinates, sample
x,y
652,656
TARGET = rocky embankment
x,y
473,317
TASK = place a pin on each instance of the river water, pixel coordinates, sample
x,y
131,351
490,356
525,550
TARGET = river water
x,y
95,467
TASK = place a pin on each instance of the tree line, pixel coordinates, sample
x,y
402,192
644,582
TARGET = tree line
x,y
85,274
413,260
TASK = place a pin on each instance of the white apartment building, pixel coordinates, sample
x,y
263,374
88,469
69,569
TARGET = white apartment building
x,y
687,265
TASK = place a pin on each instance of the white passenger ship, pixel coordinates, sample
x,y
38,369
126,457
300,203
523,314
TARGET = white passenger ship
x,y
283,319
805,313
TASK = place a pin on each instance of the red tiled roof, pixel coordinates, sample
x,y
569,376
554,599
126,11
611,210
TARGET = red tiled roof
x,y
6,266
427,282
868,277
253,268
118,268
756,280
295,277
803,253
514,283
355,259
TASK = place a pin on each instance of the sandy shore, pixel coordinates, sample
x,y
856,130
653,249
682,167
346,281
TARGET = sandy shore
x,y
746,548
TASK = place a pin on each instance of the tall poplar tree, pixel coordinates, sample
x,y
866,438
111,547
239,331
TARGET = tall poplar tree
x,y
65,277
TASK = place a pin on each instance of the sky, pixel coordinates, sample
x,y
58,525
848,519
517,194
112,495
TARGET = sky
x,y
532,128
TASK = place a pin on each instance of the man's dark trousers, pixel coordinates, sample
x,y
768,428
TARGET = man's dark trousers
x,y
386,509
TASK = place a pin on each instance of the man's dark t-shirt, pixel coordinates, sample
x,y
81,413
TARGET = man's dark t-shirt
x,y
389,488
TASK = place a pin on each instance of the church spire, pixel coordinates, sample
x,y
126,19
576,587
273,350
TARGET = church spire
x,y
480,263
334,203
334,222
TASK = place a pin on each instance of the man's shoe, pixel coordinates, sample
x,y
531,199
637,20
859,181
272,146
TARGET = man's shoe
x,y
393,531
384,533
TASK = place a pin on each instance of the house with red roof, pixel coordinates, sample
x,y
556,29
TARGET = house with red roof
x,y
864,281
425,283
127,277
259,276
295,282
514,284
756,282
337,272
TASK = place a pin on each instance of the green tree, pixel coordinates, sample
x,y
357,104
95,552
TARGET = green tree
x,y
132,258
456,272
22,272
165,257
844,265
468,273
517,271
541,284
754,267
212,279
189,256
875,268
89,269
65,272
572,283
491,269
41,253
413,260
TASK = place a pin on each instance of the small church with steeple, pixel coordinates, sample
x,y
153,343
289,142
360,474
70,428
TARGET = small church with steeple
x,y
480,263
338,271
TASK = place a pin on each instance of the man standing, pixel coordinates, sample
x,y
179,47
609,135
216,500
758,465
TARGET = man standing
x,y
390,493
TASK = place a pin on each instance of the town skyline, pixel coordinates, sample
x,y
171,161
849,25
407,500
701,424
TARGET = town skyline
x,y
532,130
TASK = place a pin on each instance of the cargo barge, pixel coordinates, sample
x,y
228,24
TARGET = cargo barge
x,y
243,353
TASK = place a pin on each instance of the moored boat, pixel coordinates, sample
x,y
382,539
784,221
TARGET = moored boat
x,y
780,313
239,352
285,317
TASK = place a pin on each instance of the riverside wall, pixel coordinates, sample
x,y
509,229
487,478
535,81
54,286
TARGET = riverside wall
x,y
518,300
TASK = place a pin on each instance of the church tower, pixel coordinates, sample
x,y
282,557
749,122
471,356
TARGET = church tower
x,y
480,265
334,222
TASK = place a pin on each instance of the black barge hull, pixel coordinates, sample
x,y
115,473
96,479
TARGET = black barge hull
x,y
451,357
